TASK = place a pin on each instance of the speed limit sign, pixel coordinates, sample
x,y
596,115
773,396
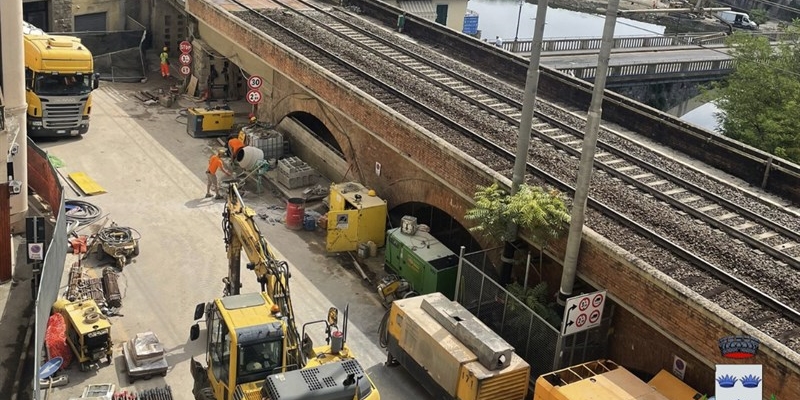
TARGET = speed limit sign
x,y
185,70
254,96
185,59
255,82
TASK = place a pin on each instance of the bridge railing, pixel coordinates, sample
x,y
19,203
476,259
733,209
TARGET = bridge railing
x,y
664,68
629,42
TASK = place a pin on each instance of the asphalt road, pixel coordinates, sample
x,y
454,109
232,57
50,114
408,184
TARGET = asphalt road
x,y
153,172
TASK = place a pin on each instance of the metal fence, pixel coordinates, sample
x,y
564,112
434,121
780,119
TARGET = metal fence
x,y
532,337
52,266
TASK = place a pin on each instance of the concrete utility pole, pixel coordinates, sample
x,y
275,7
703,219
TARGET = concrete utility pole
x,y
14,71
15,206
587,156
524,136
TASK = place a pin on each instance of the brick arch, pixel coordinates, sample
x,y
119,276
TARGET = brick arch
x,y
428,191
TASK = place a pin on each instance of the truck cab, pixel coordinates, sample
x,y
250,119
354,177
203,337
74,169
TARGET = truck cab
x,y
59,79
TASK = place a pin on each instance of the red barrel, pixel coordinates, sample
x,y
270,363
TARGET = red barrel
x,y
295,210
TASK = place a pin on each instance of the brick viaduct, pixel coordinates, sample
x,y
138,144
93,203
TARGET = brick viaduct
x,y
656,318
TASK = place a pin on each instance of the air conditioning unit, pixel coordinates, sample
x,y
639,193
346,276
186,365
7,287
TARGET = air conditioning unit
x,y
408,225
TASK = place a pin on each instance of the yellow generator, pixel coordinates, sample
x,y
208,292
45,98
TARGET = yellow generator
x,y
476,365
356,215
88,331
605,380
208,122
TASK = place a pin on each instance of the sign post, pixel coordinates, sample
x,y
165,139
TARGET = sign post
x,y
583,312
185,57
254,82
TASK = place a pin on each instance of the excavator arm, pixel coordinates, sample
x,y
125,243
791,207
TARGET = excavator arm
x,y
242,234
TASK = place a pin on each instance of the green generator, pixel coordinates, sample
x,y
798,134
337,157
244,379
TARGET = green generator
x,y
427,264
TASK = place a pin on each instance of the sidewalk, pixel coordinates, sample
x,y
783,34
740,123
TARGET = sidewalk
x,y
16,303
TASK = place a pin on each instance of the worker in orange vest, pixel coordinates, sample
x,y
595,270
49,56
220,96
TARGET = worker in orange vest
x,y
215,164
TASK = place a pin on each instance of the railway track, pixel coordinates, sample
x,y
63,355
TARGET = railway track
x,y
767,236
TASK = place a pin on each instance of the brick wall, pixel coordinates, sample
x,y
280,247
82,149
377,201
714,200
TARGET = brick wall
x,y
419,167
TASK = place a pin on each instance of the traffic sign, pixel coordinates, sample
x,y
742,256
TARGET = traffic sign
x,y
253,96
185,70
255,82
583,312
185,47
185,59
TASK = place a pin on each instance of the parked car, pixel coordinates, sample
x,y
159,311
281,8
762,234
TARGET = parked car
x,y
737,19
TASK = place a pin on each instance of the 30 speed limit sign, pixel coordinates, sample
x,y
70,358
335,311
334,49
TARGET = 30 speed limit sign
x,y
254,96
255,82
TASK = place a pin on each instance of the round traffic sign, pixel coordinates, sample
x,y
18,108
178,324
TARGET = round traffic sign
x,y
185,59
253,96
580,320
185,47
583,304
255,82
597,300
185,70
594,316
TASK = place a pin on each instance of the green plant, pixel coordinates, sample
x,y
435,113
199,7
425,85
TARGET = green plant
x,y
759,16
541,212
536,299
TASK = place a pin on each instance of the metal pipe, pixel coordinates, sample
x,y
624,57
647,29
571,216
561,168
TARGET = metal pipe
x,y
458,273
527,271
668,10
587,157
13,56
524,136
516,34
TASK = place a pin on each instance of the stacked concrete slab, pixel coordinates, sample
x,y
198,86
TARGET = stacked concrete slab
x,y
493,352
294,173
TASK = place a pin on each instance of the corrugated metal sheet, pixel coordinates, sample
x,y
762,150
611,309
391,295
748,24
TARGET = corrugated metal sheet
x,y
420,8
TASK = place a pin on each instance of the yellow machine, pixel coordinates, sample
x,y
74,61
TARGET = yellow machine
x,y
605,380
88,331
421,335
209,122
356,215
59,79
252,336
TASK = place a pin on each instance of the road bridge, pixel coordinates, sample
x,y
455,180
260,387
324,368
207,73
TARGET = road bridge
x,y
353,130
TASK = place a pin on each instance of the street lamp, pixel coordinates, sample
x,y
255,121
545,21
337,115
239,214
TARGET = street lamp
x,y
516,35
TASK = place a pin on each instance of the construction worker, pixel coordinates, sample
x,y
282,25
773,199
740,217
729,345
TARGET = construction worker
x,y
234,144
215,164
164,63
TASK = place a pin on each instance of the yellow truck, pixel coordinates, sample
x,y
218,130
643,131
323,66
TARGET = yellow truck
x,y
605,380
59,79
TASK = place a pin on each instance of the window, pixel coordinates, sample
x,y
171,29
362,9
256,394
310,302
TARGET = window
x,y
219,347
62,85
258,359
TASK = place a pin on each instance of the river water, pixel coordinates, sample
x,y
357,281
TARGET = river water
x,y
499,18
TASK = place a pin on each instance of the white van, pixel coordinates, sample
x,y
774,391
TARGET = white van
x,y
737,19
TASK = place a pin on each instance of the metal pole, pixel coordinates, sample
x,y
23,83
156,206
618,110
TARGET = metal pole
x,y
524,136
516,35
458,273
527,270
587,157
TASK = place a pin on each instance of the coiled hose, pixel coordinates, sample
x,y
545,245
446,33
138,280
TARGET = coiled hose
x,y
118,235
80,211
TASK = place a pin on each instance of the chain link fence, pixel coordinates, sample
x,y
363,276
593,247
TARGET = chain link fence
x,y
532,337
118,56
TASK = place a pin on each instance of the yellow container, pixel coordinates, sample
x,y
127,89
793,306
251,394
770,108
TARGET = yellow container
x,y
356,216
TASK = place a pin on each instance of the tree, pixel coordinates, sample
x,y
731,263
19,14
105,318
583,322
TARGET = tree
x,y
760,100
540,212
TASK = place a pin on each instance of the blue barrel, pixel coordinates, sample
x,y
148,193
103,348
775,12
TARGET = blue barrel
x,y
309,223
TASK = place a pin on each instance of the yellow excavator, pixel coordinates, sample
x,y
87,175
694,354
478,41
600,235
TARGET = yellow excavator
x,y
253,348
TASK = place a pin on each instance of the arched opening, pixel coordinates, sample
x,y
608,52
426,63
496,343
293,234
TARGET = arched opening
x,y
318,130
442,226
